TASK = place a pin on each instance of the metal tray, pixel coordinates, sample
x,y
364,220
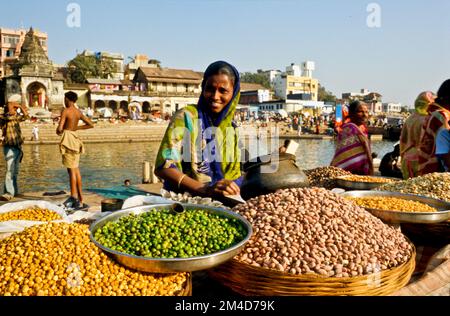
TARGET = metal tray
x,y
442,215
357,185
173,265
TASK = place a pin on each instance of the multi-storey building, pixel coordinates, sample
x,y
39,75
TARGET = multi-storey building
x,y
11,41
139,60
295,80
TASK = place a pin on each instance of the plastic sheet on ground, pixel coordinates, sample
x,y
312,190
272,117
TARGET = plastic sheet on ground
x,y
118,192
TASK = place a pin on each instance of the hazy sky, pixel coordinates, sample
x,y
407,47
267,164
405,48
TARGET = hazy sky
x,y
407,54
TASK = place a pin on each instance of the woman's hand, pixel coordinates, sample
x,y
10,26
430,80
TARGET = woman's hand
x,y
223,188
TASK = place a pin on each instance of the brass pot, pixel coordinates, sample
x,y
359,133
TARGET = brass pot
x,y
271,173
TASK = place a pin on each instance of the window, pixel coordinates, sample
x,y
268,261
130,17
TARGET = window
x,y
13,40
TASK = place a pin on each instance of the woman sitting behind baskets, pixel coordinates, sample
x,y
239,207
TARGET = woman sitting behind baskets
x,y
199,152
353,152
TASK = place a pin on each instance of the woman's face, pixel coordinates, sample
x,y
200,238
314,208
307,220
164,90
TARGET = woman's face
x,y
218,92
361,115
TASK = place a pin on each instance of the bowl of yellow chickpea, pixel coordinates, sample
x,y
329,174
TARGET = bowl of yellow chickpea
x,y
394,207
357,182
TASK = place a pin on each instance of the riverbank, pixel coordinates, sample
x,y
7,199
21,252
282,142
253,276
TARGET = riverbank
x,y
105,132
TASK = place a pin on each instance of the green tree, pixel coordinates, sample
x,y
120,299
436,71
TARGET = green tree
x,y
155,62
258,77
324,95
83,67
406,109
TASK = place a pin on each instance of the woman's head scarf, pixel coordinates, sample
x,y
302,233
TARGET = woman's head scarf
x,y
423,101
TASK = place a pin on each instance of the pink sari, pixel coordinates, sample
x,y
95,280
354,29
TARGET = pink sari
x,y
353,151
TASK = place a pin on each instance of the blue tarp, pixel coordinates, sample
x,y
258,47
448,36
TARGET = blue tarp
x,y
119,192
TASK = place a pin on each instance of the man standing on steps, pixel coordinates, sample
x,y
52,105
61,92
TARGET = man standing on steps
x,y
71,147
12,143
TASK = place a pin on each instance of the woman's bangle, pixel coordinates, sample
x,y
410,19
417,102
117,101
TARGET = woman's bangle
x,y
181,180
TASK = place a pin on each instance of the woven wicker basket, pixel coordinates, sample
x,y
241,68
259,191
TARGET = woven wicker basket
x,y
187,287
254,281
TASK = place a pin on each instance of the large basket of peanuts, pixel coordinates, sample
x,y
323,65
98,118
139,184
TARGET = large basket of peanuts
x,y
311,241
59,259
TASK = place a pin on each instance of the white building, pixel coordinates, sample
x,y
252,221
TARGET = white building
x,y
297,79
392,107
253,92
272,74
290,106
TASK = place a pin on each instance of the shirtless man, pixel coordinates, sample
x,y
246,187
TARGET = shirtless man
x,y
71,146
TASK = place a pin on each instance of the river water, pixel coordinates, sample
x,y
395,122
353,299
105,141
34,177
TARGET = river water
x,y
107,165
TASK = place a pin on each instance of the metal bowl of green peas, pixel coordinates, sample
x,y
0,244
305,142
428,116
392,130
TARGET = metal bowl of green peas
x,y
161,239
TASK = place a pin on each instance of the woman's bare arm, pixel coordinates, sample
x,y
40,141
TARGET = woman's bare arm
x,y
178,179
173,176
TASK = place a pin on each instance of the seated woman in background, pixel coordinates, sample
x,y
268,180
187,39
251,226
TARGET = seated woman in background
x,y
410,136
389,164
353,152
199,134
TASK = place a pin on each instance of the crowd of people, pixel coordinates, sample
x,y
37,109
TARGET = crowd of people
x,y
424,142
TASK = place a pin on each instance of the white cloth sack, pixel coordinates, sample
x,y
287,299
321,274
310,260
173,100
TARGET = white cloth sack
x,y
19,225
140,200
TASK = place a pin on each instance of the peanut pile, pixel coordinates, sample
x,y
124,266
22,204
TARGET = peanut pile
x,y
30,214
392,204
434,185
356,178
59,259
325,177
302,231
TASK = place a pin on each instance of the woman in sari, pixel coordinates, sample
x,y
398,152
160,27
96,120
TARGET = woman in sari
x,y
439,115
410,136
353,152
199,152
